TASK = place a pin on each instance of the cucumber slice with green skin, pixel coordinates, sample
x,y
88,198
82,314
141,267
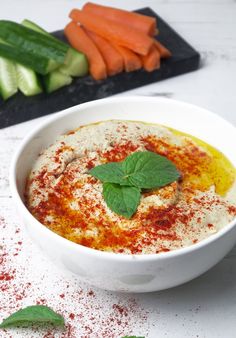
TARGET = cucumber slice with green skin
x,y
28,40
41,65
11,30
27,81
30,24
56,80
76,63
8,81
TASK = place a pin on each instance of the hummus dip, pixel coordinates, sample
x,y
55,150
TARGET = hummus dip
x,y
64,197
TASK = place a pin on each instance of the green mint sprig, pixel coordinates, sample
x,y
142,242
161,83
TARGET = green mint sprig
x,y
33,315
133,337
124,181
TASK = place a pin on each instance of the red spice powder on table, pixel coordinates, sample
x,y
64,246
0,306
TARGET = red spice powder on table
x,y
88,313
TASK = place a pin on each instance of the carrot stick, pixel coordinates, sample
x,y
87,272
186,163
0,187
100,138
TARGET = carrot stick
x,y
111,56
131,60
164,52
151,61
120,34
143,23
82,42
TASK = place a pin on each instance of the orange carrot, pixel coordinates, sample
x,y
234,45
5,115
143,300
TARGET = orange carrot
x,y
82,42
151,61
131,60
164,52
119,34
143,23
111,56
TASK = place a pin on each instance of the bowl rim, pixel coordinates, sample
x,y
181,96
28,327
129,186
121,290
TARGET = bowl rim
x,y
95,252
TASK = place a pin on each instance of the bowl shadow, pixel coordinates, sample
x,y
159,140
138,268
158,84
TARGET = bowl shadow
x,y
214,287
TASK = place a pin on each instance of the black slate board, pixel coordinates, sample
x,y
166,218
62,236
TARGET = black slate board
x,y
184,59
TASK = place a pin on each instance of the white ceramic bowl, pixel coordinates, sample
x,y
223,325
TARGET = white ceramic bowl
x,y
119,272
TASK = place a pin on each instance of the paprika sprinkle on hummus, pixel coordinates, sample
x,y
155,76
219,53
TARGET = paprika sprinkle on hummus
x,y
63,195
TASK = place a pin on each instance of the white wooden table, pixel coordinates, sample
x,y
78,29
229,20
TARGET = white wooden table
x,y
205,307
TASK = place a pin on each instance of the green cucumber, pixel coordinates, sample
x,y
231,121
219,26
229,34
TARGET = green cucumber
x,y
32,25
8,81
39,64
28,40
76,63
27,81
56,80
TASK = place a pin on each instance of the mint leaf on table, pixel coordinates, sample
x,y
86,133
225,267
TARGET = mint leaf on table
x,y
133,337
33,315
110,172
123,200
148,170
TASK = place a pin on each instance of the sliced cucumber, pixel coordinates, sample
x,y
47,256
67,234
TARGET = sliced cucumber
x,y
28,40
76,63
8,81
30,24
41,65
27,81
56,80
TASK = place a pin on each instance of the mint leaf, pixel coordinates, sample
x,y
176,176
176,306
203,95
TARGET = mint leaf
x,y
123,200
31,315
148,170
123,181
133,337
110,172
